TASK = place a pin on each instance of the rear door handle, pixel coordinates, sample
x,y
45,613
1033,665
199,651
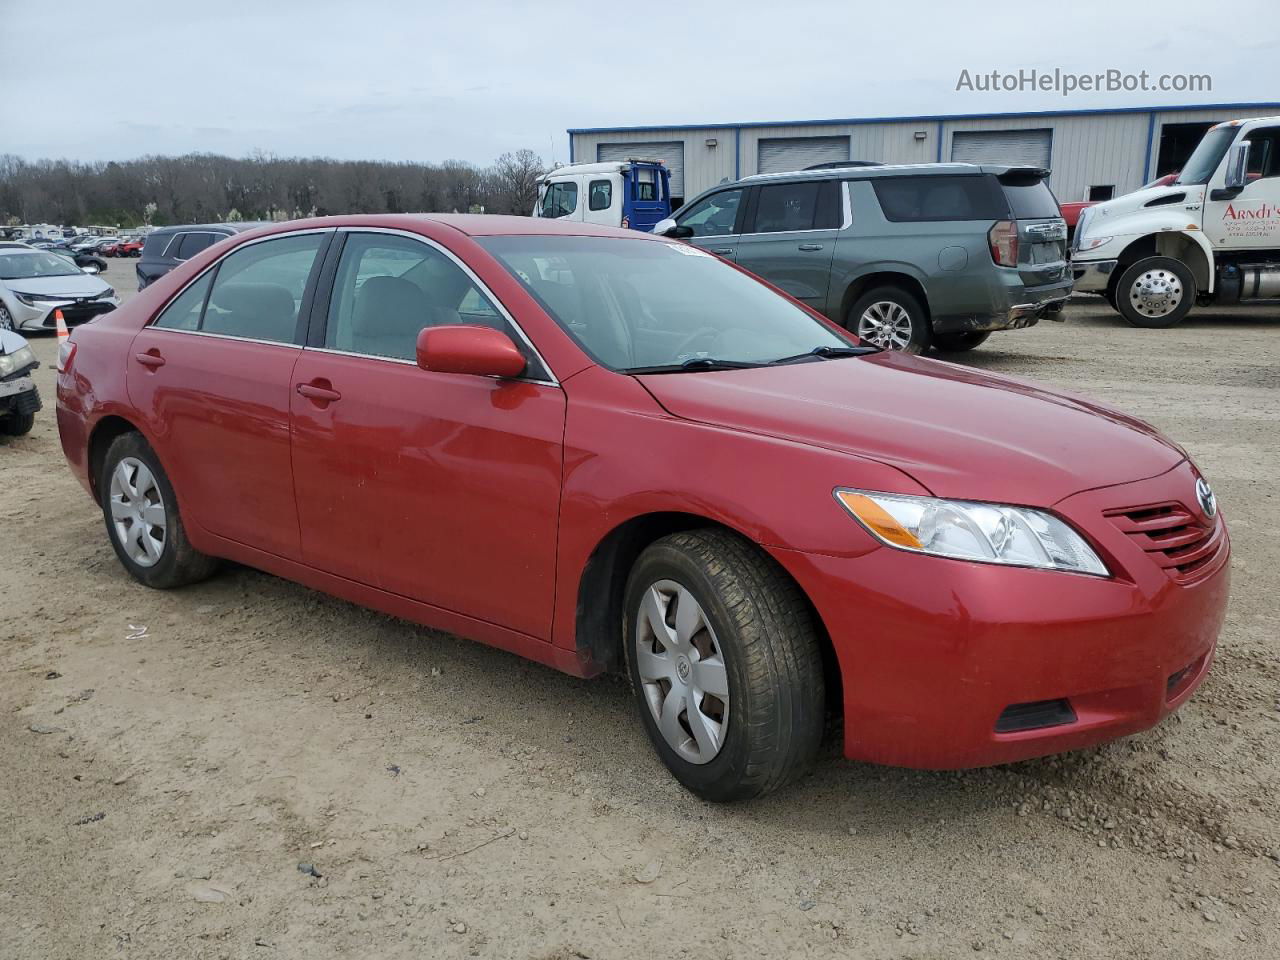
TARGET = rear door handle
x,y
723,251
810,247
150,359
318,392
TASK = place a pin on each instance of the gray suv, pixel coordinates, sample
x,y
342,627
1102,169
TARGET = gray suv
x,y
907,257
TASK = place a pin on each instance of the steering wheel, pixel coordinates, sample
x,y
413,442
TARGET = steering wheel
x,y
691,339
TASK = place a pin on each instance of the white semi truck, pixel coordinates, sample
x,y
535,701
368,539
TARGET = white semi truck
x,y
1210,237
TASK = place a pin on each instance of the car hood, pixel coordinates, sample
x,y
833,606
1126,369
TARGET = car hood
x,y
961,433
74,285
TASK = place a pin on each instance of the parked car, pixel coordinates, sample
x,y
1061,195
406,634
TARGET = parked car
x,y
19,398
603,450
1210,237
129,247
906,257
167,247
36,283
620,193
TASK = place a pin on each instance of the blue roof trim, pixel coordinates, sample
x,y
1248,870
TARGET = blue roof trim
x,y
929,118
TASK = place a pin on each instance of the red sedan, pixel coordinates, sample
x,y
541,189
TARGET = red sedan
x,y
608,451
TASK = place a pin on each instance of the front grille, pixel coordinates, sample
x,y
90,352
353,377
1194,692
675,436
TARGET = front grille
x,y
1183,543
78,313
1035,716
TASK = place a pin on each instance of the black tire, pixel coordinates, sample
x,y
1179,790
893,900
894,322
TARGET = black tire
x,y
959,342
1174,274
921,333
179,563
766,635
17,424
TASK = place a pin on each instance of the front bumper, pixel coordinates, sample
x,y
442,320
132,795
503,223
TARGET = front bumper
x,y
42,316
19,396
934,652
1093,276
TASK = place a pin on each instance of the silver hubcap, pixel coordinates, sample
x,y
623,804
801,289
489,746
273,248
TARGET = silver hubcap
x,y
1156,293
682,671
6,318
886,325
137,512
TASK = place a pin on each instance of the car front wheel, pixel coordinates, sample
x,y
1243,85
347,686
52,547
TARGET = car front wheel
x,y
6,319
1156,292
724,659
142,517
891,319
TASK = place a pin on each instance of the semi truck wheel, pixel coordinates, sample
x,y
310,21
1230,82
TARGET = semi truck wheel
x,y
1156,292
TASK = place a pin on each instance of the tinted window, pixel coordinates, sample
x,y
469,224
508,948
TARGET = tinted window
x,y
560,200
813,205
600,195
183,313
156,242
193,243
1264,153
912,199
714,215
388,288
637,303
258,289
1032,201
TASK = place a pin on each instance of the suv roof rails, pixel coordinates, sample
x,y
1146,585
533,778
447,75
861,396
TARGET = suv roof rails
x,y
837,164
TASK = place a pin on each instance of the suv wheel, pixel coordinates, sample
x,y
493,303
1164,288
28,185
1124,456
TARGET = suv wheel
x,y
1155,292
959,342
723,656
143,522
892,319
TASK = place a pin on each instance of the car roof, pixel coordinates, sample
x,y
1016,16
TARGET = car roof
x,y
237,226
471,224
887,170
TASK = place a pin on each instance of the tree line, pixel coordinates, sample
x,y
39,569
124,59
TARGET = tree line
x,y
204,188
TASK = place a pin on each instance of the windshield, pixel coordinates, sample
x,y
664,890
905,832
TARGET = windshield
x,y
1205,158
644,303
23,265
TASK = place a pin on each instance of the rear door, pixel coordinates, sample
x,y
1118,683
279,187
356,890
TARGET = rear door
x,y
604,199
1042,233
716,220
791,236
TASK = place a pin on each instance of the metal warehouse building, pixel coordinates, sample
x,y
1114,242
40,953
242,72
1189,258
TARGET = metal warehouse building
x,y
1094,154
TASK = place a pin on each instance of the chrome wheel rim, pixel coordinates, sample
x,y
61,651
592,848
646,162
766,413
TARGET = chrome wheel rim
x,y
6,319
885,324
682,671
137,512
1156,293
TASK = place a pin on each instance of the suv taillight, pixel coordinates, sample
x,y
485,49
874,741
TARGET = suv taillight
x,y
1003,240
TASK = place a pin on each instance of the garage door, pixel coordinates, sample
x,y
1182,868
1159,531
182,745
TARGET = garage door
x,y
672,154
1031,148
780,154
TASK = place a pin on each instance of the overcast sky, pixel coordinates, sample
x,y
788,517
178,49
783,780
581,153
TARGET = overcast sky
x,y
427,80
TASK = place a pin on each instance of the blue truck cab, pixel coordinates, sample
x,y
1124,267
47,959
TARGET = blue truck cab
x,y
617,193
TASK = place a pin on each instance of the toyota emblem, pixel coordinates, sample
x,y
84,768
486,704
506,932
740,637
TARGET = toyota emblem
x,y
1208,502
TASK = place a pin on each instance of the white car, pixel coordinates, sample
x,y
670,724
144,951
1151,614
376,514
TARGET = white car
x,y
34,284
19,399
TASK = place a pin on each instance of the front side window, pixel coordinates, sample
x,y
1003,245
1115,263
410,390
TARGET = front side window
x,y
646,303
1264,153
560,200
600,194
713,216
258,289
388,288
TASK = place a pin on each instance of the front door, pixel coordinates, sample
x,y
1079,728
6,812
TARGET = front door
x,y
1251,219
791,237
444,488
715,221
212,376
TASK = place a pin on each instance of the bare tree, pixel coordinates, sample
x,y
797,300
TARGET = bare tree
x,y
515,182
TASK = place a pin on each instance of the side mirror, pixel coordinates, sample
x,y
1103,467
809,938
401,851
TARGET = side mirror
x,y
479,351
669,228
1237,166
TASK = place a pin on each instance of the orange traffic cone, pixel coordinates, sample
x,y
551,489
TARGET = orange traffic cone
x,y
63,332
65,346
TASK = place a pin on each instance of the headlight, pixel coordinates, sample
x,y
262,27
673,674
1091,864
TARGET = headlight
x,y
19,360
26,298
106,294
963,530
1092,243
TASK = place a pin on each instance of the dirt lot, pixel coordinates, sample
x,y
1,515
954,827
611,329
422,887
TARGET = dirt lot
x,y
170,759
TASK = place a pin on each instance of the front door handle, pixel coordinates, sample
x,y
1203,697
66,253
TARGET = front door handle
x,y
810,247
723,251
150,359
320,391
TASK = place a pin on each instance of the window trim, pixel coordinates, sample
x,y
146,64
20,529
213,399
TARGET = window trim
x,y
324,297
304,307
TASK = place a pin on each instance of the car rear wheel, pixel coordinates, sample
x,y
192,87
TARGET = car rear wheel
x,y
143,522
1156,292
892,319
959,342
724,659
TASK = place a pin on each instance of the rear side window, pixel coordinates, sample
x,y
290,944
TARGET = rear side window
x,y
926,198
258,289
154,247
783,207
193,243
1031,201
600,194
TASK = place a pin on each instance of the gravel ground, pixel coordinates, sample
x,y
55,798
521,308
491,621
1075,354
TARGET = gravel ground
x,y
174,762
